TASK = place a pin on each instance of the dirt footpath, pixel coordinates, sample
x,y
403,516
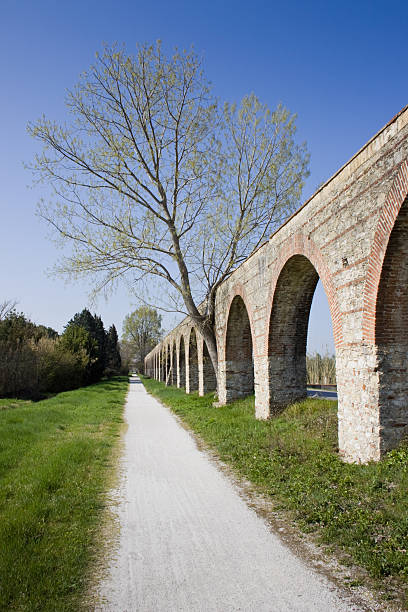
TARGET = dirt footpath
x,y
188,542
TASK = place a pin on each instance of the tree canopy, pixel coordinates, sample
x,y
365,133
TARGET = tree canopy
x,y
34,360
16,328
113,359
94,341
155,178
141,332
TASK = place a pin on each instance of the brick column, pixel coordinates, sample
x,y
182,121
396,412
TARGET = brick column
x,y
200,343
262,394
358,395
222,383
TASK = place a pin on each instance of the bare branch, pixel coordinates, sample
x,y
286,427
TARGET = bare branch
x,y
153,180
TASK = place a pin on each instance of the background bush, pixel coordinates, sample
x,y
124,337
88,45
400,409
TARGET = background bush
x,y
34,360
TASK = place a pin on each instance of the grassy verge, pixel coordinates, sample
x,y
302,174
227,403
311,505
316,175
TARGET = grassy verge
x,y
54,464
293,457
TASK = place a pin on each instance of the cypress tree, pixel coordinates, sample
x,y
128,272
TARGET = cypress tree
x,y
94,326
113,360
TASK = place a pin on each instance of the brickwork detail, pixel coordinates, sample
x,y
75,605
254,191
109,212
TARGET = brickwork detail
x,y
353,235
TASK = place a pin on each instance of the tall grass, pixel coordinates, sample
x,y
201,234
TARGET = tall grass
x,y
54,465
321,369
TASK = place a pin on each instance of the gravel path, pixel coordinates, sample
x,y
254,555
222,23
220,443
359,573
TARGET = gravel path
x,y
188,542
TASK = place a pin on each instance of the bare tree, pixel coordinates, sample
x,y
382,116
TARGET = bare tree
x,y
155,179
6,307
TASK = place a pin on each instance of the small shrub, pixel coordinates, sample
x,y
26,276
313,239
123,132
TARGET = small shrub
x,y
58,369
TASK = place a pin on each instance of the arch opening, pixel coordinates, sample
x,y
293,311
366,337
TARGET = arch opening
x,y
209,377
173,376
163,365
192,362
168,364
320,351
239,365
288,328
182,364
391,334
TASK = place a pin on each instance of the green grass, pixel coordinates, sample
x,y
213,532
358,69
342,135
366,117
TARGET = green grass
x,y
55,461
293,457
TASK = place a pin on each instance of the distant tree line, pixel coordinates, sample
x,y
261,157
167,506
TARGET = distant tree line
x,y
321,369
142,330
35,360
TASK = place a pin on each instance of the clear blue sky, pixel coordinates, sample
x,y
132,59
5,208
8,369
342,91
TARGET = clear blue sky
x,y
340,65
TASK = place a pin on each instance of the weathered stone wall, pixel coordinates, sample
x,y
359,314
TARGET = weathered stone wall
x,y
353,235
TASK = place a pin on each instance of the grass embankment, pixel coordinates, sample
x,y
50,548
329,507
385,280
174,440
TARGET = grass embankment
x,y
293,457
55,460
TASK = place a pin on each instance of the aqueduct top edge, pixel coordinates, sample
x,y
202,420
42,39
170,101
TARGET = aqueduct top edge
x,y
337,180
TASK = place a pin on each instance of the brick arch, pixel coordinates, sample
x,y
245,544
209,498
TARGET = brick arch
x,y
299,244
181,359
209,376
237,290
388,217
184,337
238,350
187,334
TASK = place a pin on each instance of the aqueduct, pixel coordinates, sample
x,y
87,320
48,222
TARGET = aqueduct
x,y
353,235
